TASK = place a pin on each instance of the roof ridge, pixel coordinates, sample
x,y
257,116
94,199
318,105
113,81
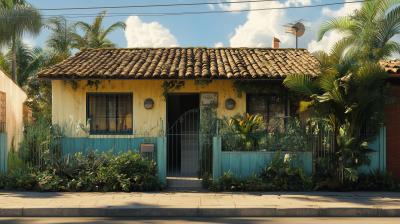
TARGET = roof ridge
x,y
199,47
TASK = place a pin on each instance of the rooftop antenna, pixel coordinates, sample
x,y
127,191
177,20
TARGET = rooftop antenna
x,y
297,29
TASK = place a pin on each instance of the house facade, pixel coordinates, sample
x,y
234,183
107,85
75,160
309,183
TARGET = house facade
x,y
121,80
392,123
13,111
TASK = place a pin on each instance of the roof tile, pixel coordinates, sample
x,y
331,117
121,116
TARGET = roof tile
x,y
186,63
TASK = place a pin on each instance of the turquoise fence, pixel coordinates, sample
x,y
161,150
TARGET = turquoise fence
x,y
3,153
75,145
378,158
243,163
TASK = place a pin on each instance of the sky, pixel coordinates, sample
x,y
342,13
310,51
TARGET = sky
x,y
233,29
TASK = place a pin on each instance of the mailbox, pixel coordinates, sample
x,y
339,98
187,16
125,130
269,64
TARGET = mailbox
x,y
147,147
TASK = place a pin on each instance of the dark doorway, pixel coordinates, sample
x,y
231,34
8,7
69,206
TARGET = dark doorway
x,y
183,116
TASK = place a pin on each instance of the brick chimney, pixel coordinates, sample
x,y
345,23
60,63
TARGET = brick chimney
x,y
275,43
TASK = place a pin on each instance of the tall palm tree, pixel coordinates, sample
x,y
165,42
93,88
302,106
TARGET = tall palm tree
x,y
95,35
30,60
17,18
60,40
367,31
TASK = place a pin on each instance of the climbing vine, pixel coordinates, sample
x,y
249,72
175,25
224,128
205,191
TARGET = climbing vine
x,y
202,83
171,86
91,83
74,84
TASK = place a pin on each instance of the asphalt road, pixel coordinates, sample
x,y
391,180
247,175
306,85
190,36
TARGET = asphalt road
x,y
201,220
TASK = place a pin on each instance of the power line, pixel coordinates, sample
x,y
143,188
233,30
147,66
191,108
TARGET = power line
x,y
151,6
194,13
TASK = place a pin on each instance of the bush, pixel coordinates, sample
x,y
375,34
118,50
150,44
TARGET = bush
x,y
19,180
279,176
127,171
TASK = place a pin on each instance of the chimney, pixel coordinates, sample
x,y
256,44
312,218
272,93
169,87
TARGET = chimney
x,y
275,43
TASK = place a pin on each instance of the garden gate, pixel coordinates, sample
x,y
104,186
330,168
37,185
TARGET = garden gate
x,y
189,148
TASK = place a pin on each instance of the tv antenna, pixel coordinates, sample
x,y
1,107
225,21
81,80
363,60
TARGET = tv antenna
x,y
297,29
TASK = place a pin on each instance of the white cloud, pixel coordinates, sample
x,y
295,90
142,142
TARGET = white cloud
x,y
262,26
140,34
219,44
30,42
211,7
234,6
343,11
331,38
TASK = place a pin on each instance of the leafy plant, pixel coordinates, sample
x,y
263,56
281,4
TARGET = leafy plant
x,y
351,155
247,124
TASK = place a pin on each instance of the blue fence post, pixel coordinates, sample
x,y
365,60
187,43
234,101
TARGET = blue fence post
x,y
382,149
217,158
162,159
3,153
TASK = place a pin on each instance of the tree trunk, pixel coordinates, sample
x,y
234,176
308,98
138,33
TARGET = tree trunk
x,y
13,61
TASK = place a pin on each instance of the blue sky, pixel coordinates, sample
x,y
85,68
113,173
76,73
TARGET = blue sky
x,y
245,29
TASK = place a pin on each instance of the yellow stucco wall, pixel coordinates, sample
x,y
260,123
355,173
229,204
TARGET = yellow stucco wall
x,y
68,103
15,97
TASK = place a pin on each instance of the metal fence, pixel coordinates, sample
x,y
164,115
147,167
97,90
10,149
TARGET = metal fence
x,y
28,149
321,145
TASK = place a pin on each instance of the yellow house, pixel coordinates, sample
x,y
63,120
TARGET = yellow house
x,y
110,86
12,107
130,93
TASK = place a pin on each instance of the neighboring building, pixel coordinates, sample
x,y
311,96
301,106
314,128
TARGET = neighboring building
x,y
12,107
392,123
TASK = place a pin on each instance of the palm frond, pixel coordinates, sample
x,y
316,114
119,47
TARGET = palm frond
x,y
301,83
343,25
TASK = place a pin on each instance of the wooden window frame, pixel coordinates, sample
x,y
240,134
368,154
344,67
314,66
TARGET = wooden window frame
x,y
107,132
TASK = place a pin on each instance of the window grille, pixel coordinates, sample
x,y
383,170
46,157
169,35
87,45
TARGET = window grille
x,y
2,112
270,107
109,113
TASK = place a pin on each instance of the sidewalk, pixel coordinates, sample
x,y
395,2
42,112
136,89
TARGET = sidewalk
x,y
199,202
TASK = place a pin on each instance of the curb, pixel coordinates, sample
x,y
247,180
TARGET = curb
x,y
198,211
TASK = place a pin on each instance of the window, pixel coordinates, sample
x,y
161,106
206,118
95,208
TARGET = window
x,y
270,107
109,113
2,112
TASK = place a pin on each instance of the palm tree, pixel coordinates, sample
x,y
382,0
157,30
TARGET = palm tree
x,y
347,91
61,39
95,35
367,31
29,60
17,18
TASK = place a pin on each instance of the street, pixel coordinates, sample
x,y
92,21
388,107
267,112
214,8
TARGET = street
x,y
234,220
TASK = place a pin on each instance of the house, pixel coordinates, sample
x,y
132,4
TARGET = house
x,y
392,123
127,93
13,111
127,77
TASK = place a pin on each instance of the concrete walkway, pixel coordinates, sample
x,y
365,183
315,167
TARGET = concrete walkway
x,y
198,202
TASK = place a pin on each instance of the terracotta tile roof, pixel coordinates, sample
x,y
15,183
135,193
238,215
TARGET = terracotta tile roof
x,y
184,63
391,66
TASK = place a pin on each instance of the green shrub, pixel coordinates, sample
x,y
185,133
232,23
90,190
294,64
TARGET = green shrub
x,y
377,180
279,176
127,171
20,180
